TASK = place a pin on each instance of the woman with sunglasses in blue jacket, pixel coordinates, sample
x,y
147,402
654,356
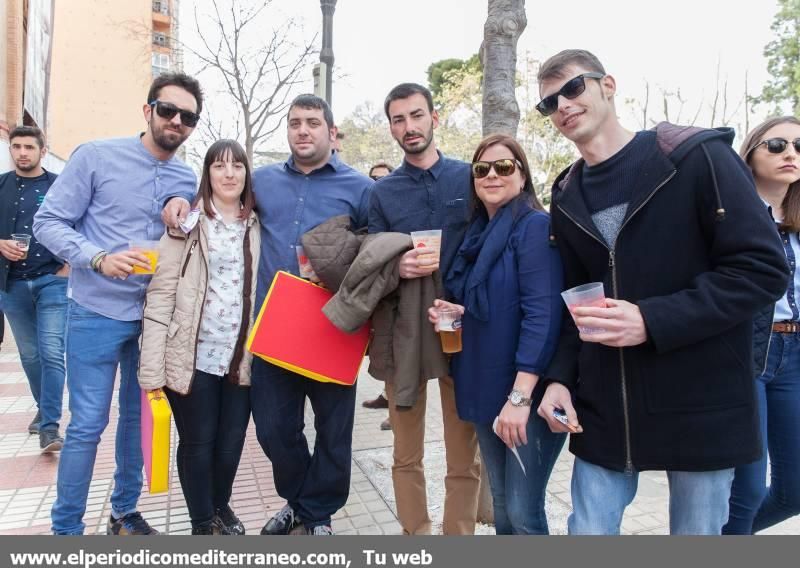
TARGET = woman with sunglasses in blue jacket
x,y
506,281
772,151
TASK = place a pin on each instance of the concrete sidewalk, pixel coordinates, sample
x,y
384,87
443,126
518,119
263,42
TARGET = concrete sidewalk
x,y
27,483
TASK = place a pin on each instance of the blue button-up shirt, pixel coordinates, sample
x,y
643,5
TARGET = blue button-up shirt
x,y
411,199
111,192
290,203
786,308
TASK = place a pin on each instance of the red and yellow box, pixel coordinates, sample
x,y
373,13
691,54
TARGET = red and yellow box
x,y
292,332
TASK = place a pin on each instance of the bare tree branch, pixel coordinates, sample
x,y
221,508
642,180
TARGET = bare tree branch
x,y
257,74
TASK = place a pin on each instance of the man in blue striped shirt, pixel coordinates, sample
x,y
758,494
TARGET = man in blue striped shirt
x,y
110,193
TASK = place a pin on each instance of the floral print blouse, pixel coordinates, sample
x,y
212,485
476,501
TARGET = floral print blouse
x,y
222,312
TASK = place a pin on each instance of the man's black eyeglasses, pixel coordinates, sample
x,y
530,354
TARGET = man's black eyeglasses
x,y
571,89
169,110
778,145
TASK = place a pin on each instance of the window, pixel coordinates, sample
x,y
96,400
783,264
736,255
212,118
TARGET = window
x,y
161,6
160,63
160,39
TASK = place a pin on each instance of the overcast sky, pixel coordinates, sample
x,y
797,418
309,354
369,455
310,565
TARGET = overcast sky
x,y
379,43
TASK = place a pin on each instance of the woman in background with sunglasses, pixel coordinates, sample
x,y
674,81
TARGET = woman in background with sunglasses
x,y
506,280
772,151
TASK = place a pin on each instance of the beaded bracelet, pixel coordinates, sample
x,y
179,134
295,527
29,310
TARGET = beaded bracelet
x,y
97,259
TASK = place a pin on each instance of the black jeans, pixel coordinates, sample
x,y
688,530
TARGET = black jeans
x,y
315,485
212,423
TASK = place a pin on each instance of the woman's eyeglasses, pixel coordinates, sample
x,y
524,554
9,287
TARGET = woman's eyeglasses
x,y
504,167
778,145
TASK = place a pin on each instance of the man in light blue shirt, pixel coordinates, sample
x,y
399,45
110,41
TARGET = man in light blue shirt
x,y
110,193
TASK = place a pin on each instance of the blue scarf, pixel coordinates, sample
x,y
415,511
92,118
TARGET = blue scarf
x,y
482,246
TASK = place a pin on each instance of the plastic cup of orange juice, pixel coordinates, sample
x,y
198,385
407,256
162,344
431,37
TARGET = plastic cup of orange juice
x,y
148,249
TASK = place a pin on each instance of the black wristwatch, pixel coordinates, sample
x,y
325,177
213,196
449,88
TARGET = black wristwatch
x,y
517,399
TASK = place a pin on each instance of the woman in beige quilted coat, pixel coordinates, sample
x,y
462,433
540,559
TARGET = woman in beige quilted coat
x,y
197,317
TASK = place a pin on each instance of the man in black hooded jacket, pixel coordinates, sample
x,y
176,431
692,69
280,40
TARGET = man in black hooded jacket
x,y
662,376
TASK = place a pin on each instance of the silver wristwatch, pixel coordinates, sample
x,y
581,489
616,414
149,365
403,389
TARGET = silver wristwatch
x,y
517,399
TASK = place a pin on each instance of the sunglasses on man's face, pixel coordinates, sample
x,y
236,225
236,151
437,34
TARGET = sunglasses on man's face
x,y
778,145
504,167
169,110
571,89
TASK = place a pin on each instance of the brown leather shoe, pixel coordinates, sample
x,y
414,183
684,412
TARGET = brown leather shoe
x,y
379,402
386,425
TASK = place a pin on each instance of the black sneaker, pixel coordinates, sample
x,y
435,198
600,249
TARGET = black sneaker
x,y
130,524
212,527
320,530
228,519
33,427
282,523
50,441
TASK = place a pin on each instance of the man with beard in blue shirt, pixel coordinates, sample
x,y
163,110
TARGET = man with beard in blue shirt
x,y
428,191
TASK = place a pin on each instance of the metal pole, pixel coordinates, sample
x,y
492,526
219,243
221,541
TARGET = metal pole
x,y
326,55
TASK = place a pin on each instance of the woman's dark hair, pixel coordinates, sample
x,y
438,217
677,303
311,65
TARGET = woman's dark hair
x,y
791,202
225,150
528,194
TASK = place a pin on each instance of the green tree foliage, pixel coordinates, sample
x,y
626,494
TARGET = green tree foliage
x,y
438,70
549,153
459,107
367,139
783,60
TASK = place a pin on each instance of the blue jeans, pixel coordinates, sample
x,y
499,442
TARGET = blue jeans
x,y
315,485
698,500
518,498
212,422
36,310
96,346
754,506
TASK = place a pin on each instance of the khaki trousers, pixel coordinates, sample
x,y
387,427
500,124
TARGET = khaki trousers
x,y
408,474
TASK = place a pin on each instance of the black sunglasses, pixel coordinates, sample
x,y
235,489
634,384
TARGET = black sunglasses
x,y
778,145
504,167
571,89
169,110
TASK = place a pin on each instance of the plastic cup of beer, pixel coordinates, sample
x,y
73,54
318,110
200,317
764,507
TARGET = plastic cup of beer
x,y
589,295
428,239
23,241
449,328
148,249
